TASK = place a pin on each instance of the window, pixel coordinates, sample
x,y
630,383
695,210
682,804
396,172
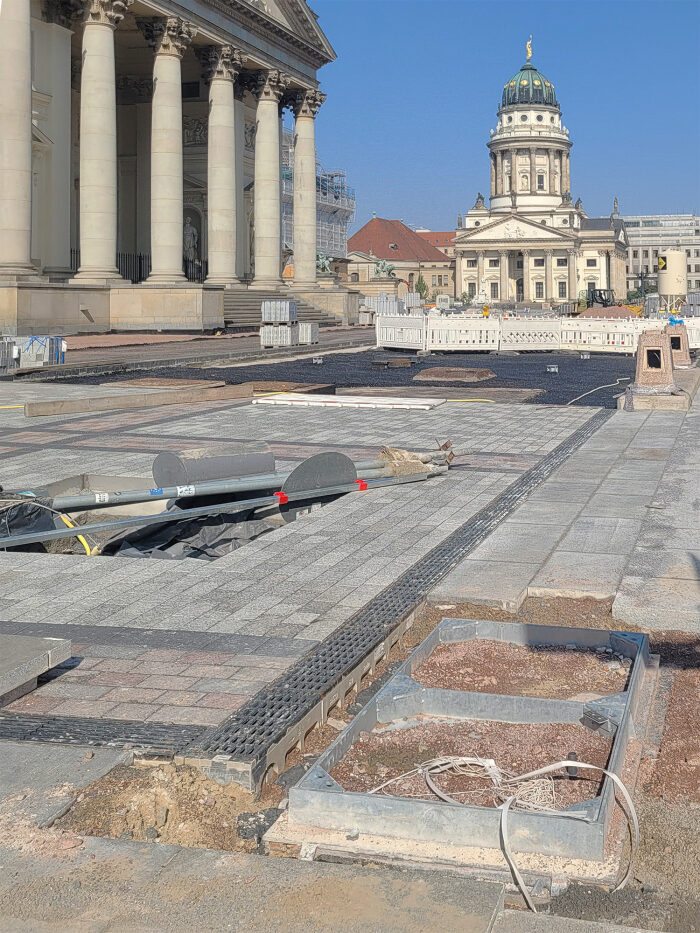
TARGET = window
x,y
590,286
697,253
635,254
591,263
690,269
627,270
494,289
539,289
519,264
645,254
471,263
434,280
562,289
477,223
471,289
687,253
539,261
494,263
354,276
510,119
539,117
523,118
561,262
697,267
540,182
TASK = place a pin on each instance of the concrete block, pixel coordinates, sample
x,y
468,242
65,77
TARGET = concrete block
x,y
23,658
518,542
601,535
486,582
576,575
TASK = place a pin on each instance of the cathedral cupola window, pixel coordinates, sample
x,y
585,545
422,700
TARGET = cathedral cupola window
x,y
540,182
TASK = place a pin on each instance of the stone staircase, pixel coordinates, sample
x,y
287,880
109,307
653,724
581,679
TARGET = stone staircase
x,y
242,308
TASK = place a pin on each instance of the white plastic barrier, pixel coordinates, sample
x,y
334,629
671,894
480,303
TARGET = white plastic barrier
x,y
401,331
462,332
437,331
530,333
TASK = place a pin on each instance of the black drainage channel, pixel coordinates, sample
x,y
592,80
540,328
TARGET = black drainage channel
x,y
263,721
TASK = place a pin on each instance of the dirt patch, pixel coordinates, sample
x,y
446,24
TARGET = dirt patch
x,y
171,804
453,374
516,747
548,671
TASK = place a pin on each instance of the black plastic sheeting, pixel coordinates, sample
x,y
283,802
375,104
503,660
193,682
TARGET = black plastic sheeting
x,y
22,516
205,538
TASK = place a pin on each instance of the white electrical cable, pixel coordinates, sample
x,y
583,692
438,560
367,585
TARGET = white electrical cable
x,y
610,385
532,792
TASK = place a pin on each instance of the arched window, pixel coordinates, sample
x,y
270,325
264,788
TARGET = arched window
x,y
354,276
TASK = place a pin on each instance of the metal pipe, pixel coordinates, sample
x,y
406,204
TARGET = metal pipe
x,y
366,469
231,507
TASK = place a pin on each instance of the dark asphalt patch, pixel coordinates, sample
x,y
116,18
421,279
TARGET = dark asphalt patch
x,y
524,371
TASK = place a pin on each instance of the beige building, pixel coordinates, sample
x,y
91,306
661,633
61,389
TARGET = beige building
x,y
140,164
532,243
392,243
651,234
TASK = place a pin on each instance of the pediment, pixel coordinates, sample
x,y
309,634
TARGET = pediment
x,y
514,227
298,18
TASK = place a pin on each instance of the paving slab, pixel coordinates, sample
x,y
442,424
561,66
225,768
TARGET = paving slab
x,y
595,535
23,659
658,603
518,542
503,584
579,575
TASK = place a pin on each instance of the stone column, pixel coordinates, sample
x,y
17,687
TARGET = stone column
x,y
503,289
548,283
15,139
221,66
242,232
499,172
492,160
533,171
306,106
571,257
270,88
480,271
550,162
98,142
169,37
459,275
566,171
526,275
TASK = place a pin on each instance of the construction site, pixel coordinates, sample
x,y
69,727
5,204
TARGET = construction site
x,y
350,633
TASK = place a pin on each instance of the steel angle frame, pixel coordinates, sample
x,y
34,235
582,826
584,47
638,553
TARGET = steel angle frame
x,y
318,802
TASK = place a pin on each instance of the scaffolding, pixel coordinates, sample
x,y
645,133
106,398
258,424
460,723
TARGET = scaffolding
x,y
335,205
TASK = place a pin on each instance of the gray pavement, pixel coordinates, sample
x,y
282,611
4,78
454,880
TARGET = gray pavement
x,y
619,520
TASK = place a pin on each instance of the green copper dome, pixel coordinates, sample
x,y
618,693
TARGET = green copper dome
x,y
528,86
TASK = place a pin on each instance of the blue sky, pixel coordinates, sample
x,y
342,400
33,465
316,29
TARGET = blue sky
x,y
413,95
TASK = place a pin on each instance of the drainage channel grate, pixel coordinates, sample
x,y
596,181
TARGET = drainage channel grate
x,y
264,720
67,730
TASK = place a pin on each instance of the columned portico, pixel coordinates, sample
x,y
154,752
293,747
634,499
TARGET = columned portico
x,y
98,142
270,89
306,106
221,68
169,37
15,140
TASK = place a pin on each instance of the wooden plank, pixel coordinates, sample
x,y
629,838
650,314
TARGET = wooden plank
x,y
72,406
163,382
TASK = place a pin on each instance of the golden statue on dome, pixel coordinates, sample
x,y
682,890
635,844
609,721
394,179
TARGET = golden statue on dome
x,y
528,46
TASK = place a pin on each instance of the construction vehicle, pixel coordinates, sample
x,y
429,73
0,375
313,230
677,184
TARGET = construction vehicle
x,y
596,298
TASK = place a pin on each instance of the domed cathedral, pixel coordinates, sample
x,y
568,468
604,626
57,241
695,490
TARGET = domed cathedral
x,y
532,243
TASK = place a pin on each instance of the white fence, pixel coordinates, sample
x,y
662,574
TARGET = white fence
x,y
435,331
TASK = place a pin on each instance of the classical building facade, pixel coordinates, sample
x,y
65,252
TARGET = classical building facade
x,y
383,244
650,234
141,140
532,243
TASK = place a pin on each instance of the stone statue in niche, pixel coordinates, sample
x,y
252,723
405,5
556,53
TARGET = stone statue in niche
x,y
249,135
195,131
190,241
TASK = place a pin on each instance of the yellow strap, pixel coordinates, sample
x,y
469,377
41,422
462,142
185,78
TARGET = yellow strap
x,y
80,538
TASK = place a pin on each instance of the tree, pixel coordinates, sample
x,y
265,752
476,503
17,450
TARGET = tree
x,y
422,286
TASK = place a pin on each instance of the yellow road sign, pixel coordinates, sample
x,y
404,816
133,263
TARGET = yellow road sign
x,y
662,262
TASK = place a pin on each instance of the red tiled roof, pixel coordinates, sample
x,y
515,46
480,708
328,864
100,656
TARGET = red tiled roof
x,y
377,234
438,238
